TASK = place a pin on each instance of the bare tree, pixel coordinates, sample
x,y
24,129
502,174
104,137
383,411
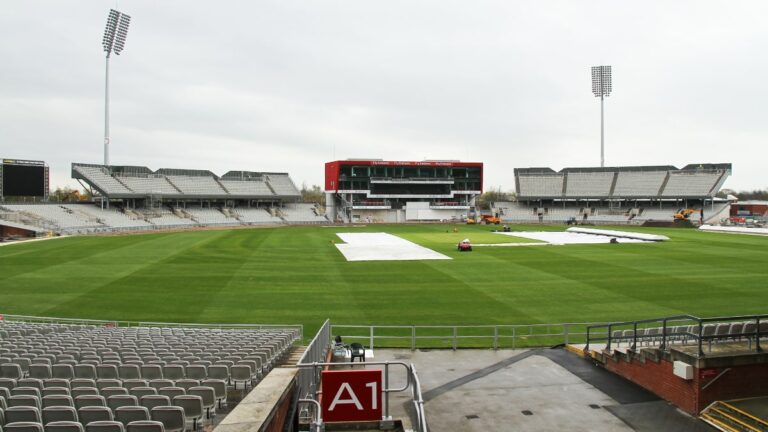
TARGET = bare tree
x,y
313,194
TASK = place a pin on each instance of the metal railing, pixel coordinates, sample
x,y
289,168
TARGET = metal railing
x,y
420,420
118,323
681,330
316,352
312,363
454,337
314,416
411,381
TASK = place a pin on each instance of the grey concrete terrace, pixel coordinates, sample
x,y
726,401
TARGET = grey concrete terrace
x,y
528,390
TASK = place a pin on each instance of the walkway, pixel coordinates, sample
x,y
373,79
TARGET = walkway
x,y
534,390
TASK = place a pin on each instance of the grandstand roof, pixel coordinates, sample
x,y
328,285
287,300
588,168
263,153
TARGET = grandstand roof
x,y
708,166
627,168
752,202
689,167
242,175
701,180
185,172
119,182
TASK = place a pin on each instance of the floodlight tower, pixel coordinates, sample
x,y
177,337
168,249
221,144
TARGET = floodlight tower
x,y
601,87
114,41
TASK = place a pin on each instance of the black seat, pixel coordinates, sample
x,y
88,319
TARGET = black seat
x,y
357,350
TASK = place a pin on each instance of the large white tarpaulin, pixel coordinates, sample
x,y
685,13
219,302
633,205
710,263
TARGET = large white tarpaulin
x,y
383,247
566,237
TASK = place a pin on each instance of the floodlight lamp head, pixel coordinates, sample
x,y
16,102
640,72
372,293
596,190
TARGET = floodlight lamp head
x,y
601,81
115,32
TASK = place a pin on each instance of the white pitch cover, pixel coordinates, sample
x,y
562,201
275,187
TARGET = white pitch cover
x,y
383,247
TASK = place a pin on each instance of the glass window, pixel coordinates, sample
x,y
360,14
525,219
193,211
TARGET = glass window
x,y
361,171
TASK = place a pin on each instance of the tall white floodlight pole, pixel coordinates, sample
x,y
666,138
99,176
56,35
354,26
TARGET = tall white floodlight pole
x,y
114,41
601,87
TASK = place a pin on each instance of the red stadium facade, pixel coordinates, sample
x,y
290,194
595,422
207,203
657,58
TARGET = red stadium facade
x,y
375,190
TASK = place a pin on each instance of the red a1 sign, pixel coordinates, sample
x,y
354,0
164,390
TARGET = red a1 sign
x,y
352,395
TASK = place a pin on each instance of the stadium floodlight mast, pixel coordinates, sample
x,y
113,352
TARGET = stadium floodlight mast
x,y
601,87
113,42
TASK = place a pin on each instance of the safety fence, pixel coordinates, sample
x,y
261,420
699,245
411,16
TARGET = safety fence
x,y
419,421
316,352
454,337
313,362
681,330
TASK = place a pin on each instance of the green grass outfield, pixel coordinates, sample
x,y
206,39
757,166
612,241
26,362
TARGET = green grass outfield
x,y
295,275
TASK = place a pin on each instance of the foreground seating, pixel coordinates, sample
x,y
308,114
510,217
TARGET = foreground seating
x,y
104,426
192,406
59,414
685,334
95,413
127,414
64,426
145,426
23,427
172,418
87,378
22,415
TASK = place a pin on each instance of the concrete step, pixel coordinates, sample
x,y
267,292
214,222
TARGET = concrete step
x,y
578,349
293,356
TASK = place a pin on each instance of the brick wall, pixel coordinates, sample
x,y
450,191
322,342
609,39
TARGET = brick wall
x,y
689,395
739,382
6,231
280,419
659,379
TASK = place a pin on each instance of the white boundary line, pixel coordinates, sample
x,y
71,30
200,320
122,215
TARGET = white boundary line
x,y
31,240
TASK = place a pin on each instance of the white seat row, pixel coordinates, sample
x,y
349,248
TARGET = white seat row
x,y
282,185
210,216
589,184
301,212
690,184
193,185
150,185
541,185
176,183
59,215
110,217
101,177
639,183
683,334
80,373
88,218
174,411
255,215
247,187
693,181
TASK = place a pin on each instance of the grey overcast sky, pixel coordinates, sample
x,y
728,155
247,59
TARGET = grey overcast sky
x,y
288,85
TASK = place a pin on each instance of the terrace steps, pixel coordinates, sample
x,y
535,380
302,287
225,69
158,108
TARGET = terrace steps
x,y
293,356
727,417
